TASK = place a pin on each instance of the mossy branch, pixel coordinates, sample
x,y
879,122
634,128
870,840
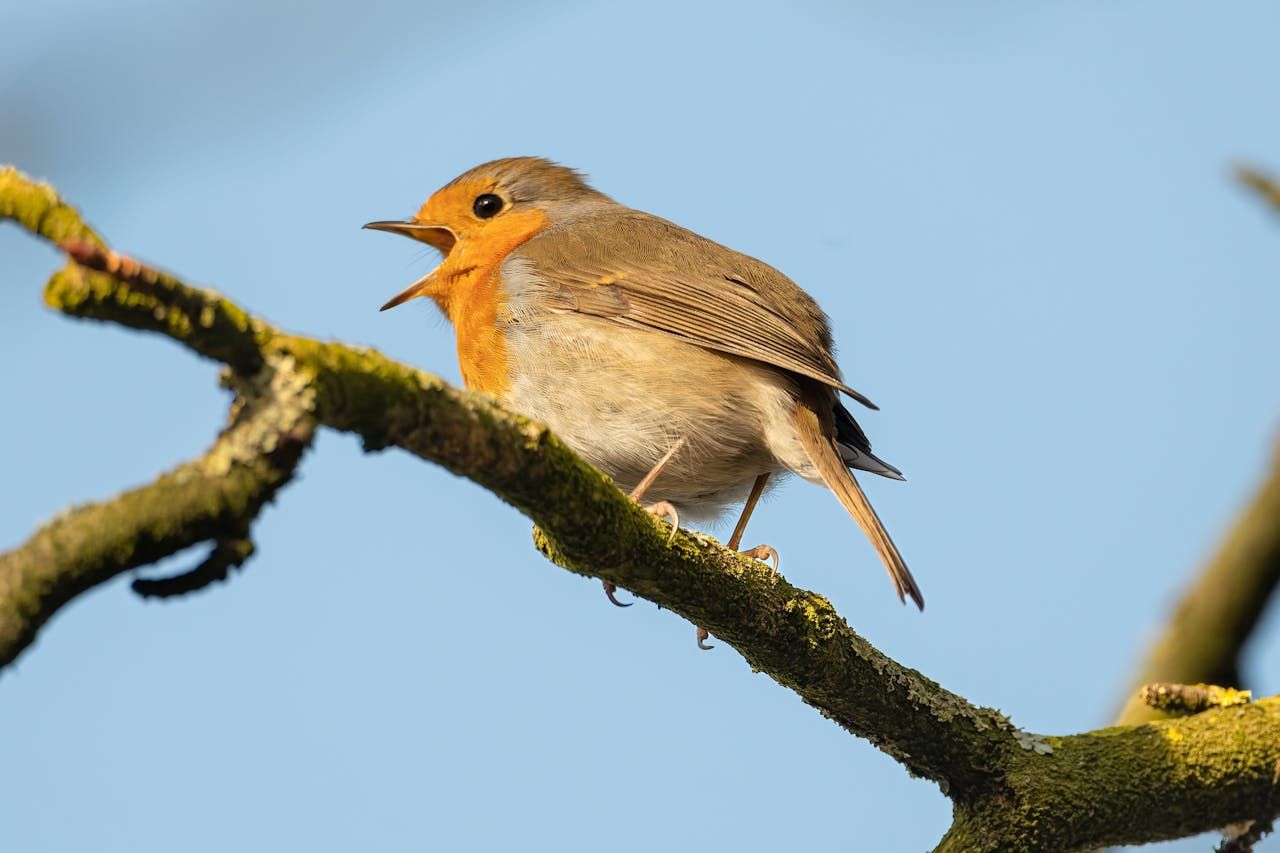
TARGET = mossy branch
x,y
1012,789
1130,784
213,498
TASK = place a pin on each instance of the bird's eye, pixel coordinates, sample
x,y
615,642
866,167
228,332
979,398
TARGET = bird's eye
x,y
487,206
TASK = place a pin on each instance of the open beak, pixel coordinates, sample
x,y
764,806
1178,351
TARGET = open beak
x,y
436,236
418,288
433,235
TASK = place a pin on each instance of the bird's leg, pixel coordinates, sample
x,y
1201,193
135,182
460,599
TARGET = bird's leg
x,y
757,489
662,509
643,486
760,552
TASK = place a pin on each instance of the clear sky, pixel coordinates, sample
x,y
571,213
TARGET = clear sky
x,y
1019,216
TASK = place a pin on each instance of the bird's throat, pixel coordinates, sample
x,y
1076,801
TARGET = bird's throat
x,y
469,291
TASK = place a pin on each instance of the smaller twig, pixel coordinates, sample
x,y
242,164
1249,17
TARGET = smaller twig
x,y
1261,183
118,266
227,554
1192,698
155,301
215,497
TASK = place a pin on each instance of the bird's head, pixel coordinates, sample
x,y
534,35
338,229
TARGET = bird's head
x,y
480,216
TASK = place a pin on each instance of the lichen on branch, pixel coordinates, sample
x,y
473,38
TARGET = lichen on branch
x,y
1192,698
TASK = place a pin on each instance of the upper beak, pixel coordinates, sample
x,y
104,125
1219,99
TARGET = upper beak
x,y
437,236
433,235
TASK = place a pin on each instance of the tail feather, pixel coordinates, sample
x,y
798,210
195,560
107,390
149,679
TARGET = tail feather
x,y
864,460
855,448
823,450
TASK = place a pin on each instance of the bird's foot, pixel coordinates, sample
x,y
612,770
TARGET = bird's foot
x,y
663,509
762,553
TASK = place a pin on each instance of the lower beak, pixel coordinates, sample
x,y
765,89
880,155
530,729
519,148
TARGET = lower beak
x,y
418,288
437,236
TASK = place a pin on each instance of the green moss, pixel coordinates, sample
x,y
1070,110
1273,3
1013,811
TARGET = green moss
x,y
35,206
202,320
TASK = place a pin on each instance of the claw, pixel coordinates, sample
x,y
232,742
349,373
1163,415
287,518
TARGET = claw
x,y
762,553
610,589
702,640
663,509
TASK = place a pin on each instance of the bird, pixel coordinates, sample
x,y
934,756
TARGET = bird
x,y
689,373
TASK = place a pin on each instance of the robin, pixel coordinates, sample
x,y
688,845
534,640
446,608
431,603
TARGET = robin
x,y
688,372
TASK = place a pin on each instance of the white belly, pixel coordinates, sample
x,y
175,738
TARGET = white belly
x,y
622,397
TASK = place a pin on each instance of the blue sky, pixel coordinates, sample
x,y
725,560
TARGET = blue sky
x,y
1020,218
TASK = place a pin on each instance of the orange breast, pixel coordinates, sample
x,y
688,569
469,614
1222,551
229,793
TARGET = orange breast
x,y
482,350
472,296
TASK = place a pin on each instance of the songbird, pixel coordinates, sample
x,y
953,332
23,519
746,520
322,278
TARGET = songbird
x,y
688,372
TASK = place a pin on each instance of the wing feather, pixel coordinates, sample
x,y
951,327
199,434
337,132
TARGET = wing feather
x,y
643,272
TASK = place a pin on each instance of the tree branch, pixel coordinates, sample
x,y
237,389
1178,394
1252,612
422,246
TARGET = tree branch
x,y
201,319
215,497
1011,788
1132,784
585,523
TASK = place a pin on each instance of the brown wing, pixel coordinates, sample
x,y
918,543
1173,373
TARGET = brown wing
x,y
641,271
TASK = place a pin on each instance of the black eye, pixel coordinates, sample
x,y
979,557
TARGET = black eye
x,y
487,206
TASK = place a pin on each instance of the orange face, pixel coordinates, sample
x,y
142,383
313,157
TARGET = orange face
x,y
474,224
